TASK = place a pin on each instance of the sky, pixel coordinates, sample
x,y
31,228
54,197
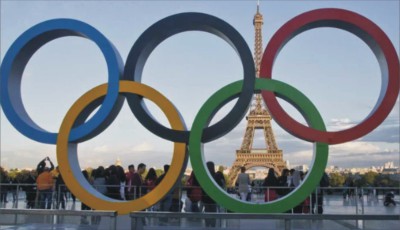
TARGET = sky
x,y
334,68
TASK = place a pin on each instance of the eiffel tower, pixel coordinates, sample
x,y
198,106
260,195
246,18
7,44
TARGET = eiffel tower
x,y
258,118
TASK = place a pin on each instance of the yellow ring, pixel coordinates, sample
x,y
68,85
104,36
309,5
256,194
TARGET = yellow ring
x,y
68,161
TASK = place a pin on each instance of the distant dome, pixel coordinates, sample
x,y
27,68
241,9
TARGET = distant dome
x,y
118,162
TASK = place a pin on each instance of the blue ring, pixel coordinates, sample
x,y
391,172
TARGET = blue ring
x,y
168,27
17,58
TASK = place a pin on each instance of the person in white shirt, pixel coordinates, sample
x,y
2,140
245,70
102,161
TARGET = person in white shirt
x,y
243,182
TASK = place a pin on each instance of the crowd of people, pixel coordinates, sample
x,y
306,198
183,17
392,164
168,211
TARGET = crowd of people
x,y
275,187
12,188
46,189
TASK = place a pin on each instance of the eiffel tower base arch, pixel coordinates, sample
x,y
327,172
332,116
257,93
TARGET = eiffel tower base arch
x,y
255,160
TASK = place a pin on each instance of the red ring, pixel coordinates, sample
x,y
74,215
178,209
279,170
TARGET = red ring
x,y
358,25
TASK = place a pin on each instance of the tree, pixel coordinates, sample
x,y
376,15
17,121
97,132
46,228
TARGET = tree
x,y
159,172
13,173
383,180
22,175
369,178
336,179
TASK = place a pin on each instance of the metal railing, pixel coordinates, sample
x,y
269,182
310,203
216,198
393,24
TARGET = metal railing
x,y
355,205
54,217
258,195
137,218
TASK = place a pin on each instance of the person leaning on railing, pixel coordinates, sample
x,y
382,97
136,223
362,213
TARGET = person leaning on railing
x,y
45,183
113,183
283,183
270,181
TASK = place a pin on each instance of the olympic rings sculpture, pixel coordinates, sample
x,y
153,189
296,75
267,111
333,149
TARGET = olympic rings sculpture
x,y
124,82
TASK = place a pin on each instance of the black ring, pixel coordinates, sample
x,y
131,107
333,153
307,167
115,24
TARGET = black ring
x,y
170,26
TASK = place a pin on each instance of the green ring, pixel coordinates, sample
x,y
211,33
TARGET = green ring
x,y
204,116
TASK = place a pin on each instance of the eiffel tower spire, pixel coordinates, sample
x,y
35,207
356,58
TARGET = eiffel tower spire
x,y
258,21
258,118
258,107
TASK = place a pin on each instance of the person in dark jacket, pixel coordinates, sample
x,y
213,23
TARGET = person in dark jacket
x,y
283,183
61,190
4,179
113,183
209,204
166,202
30,190
270,181
138,182
318,198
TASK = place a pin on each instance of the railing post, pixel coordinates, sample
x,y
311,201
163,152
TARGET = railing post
x,y
133,222
356,195
288,224
54,218
179,197
16,218
316,201
17,196
138,225
113,221
58,197
134,192
362,201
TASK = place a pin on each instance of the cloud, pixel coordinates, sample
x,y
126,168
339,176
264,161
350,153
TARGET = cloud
x,y
385,134
294,145
365,160
102,149
354,147
25,158
363,154
299,157
347,155
152,158
143,147
369,156
340,124
388,131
